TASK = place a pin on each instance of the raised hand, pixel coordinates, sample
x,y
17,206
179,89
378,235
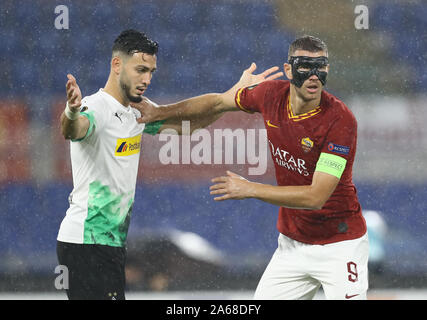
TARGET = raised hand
x,y
249,79
74,95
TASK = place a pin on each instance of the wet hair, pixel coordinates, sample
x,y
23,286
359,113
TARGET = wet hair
x,y
307,43
132,41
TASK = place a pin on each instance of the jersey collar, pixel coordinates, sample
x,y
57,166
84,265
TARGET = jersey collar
x,y
114,100
302,116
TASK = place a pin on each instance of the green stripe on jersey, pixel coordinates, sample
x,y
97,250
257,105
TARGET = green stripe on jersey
x,y
153,127
91,118
332,164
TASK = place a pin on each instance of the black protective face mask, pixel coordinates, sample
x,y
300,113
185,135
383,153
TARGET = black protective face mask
x,y
314,64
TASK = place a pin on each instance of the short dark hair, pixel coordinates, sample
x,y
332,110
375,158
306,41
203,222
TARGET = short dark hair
x,y
308,43
132,41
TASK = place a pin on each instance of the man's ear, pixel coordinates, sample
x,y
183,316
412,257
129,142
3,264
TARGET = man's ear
x,y
288,70
116,64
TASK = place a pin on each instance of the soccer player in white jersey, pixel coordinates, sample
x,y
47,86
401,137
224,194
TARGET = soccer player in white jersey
x,y
105,147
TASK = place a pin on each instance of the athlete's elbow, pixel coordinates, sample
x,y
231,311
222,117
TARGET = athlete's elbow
x,y
67,134
64,128
316,203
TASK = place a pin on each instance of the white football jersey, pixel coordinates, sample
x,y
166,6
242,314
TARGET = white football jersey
x,y
104,166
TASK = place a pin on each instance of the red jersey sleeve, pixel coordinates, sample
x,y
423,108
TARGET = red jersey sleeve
x,y
251,99
342,138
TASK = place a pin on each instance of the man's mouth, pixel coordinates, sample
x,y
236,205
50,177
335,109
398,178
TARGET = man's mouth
x,y
312,88
140,90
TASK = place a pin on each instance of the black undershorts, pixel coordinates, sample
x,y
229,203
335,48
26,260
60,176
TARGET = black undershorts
x,y
95,272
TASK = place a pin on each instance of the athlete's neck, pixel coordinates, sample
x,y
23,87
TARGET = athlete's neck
x,y
300,105
112,87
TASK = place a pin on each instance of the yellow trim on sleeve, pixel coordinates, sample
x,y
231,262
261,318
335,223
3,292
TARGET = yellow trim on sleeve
x,y
238,101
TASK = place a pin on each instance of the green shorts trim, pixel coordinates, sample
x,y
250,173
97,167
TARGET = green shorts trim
x,y
332,164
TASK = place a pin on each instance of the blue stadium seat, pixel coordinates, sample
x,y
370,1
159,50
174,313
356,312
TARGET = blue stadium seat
x,y
53,204
220,16
171,46
29,13
258,16
420,14
184,76
21,205
83,44
146,11
12,44
275,45
182,16
103,13
387,16
26,75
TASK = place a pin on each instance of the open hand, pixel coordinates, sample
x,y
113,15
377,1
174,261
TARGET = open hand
x,y
74,95
231,186
249,79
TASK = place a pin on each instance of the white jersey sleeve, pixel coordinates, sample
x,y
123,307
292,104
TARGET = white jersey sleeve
x,y
95,112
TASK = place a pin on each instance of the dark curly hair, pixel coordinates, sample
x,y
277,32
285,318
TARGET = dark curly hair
x,y
132,41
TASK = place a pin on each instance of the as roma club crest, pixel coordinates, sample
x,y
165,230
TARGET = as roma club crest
x,y
307,144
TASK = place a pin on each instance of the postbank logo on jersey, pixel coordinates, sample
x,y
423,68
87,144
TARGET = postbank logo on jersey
x,y
128,146
284,159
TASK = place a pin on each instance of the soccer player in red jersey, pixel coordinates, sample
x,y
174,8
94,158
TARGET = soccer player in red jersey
x,y
312,137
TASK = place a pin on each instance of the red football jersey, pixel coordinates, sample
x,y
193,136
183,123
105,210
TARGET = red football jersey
x,y
296,142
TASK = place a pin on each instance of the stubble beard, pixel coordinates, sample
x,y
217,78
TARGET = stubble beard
x,y
126,92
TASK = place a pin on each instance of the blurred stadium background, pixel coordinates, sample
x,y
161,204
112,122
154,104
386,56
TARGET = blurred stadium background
x,y
179,239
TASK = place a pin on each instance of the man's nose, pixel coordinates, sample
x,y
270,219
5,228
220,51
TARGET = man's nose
x,y
146,79
314,76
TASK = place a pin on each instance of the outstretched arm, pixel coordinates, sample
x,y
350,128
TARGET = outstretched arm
x,y
311,197
205,109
